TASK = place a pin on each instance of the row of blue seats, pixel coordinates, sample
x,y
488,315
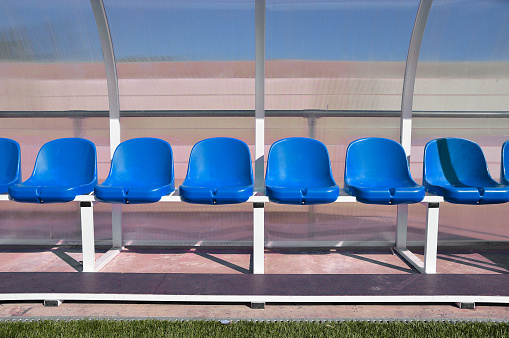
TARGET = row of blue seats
x,y
220,172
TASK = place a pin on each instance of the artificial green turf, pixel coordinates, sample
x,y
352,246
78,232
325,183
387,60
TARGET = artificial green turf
x,y
159,328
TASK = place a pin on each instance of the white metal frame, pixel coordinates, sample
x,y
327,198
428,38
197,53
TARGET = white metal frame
x,y
259,96
252,298
406,115
114,105
90,264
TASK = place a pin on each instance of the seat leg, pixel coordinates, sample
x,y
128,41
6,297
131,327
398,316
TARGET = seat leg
x,y
87,236
402,226
116,226
258,237
431,242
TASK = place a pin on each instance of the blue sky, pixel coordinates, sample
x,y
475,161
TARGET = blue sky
x,y
212,30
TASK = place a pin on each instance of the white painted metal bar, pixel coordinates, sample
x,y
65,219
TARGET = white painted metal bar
x,y
106,258
410,258
258,237
259,95
257,197
431,241
114,103
407,98
253,298
111,72
402,226
410,72
87,236
116,226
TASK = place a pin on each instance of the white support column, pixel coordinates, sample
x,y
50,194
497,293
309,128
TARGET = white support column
x,y
259,95
116,226
410,72
407,103
258,237
114,103
431,242
111,72
402,226
87,236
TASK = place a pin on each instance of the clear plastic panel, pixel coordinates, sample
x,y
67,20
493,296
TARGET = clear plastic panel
x,y
340,58
175,56
337,55
464,59
52,78
464,69
457,222
186,72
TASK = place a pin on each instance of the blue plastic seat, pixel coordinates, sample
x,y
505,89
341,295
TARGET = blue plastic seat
x,y
64,168
504,164
299,172
141,172
10,166
219,172
456,169
376,172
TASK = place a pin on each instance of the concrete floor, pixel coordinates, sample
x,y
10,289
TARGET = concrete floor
x,y
237,261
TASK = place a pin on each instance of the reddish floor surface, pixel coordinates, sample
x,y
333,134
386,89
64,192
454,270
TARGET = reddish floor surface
x,y
235,261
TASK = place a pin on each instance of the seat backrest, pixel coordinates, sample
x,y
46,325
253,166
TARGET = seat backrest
x,y
298,160
10,165
220,160
456,161
376,159
66,161
143,161
504,164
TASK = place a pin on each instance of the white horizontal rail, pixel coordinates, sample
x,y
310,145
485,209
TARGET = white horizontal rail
x,y
255,298
256,198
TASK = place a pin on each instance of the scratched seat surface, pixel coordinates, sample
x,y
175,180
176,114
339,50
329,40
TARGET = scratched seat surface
x,y
299,172
376,172
141,172
10,166
219,172
457,170
64,168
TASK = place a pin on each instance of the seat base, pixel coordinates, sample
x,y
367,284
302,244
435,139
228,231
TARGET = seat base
x,y
302,196
215,195
131,195
47,194
471,195
387,196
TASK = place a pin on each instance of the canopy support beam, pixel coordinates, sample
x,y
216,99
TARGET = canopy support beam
x,y
406,106
114,104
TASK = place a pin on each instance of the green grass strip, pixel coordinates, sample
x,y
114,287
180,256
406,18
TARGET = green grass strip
x,y
161,328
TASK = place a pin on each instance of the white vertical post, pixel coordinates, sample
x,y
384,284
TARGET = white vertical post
x,y
116,226
114,103
410,72
258,237
402,226
111,72
311,208
259,95
407,103
431,242
87,236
